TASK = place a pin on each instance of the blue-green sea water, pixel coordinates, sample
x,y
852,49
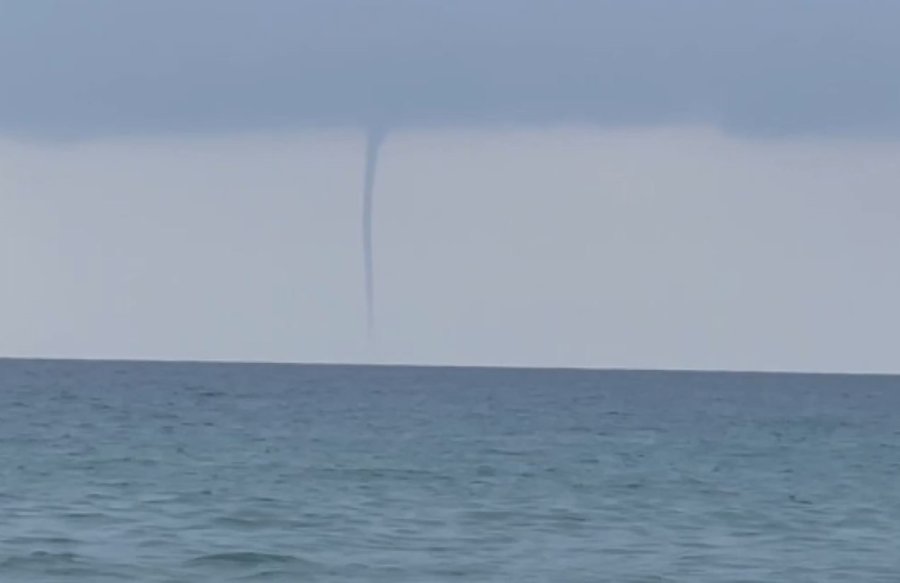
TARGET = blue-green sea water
x,y
152,472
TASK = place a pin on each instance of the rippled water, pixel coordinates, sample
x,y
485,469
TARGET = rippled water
x,y
189,472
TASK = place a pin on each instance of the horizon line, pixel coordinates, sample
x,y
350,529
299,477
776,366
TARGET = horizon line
x,y
499,367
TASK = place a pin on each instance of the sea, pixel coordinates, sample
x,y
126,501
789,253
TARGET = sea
x,y
190,472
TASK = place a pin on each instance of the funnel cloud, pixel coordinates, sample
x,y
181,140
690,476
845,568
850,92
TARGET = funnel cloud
x,y
374,138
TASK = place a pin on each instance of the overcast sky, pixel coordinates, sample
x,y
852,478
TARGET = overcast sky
x,y
641,183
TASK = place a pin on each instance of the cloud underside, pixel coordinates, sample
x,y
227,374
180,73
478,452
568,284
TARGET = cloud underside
x,y
764,67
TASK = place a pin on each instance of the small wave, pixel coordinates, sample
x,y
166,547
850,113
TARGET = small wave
x,y
40,559
212,394
375,473
40,565
91,517
239,522
41,540
269,575
248,559
252,521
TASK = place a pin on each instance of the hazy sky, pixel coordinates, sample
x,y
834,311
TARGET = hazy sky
x,y
641,183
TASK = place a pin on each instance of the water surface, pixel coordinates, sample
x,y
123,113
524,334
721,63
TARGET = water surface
x,y
177,472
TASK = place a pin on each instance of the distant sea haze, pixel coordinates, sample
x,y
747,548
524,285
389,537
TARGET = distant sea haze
x,y
164,472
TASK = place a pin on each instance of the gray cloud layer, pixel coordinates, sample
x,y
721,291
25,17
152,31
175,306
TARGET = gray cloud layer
x,y
753,67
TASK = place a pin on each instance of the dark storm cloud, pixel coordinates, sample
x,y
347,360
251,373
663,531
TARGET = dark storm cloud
x,y
754,67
